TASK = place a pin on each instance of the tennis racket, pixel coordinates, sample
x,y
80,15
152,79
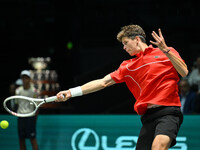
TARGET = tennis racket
x,y
22,106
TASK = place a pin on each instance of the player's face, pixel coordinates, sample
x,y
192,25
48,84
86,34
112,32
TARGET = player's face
x,y
26,80
130,46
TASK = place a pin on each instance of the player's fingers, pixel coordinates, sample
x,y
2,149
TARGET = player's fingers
x,y
59,97
155,36
160,33
153,42
63,96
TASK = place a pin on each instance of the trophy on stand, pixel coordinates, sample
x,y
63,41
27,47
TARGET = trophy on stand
x,y
43,79
39,63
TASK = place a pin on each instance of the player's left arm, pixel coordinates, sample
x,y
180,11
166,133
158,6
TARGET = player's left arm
x,y
177,62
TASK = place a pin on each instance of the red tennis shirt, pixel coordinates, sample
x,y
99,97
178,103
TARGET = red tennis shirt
x,y
151,78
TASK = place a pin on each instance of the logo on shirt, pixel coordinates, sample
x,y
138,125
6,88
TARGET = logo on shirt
x,y
156,56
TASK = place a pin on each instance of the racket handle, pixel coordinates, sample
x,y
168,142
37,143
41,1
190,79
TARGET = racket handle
x,y
52,99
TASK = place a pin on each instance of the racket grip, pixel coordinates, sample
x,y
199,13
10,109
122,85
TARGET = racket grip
x,y
52,98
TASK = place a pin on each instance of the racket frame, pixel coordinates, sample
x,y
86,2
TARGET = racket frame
x,y
33,100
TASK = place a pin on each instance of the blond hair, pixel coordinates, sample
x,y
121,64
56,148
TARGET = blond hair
x,y
131,31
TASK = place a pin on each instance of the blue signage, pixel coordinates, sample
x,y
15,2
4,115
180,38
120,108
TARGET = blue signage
x,y
94,132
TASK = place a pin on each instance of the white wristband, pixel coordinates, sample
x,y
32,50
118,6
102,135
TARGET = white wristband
x,y
77,91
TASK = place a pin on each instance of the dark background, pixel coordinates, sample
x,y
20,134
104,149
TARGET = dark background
x,y
42,28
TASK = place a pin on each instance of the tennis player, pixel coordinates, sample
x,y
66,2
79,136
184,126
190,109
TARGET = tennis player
x,y
152,77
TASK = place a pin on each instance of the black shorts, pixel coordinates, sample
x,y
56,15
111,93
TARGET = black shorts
x,y
27,127
165,120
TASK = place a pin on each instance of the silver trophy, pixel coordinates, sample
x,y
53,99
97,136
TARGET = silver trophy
x,y
39,63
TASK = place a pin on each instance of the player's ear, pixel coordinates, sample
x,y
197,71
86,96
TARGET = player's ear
x,y
137,38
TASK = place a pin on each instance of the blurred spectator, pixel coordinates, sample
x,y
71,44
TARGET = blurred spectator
x,y
18,82
26,125
14,86
194,76
187,97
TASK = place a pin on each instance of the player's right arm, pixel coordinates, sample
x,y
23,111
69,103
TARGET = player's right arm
x,y
90,87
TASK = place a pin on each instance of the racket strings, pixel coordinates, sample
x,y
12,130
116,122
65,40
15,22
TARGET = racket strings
x,y
20,107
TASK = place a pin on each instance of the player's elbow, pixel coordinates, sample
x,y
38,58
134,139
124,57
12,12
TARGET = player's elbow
x,y
107,81
104,85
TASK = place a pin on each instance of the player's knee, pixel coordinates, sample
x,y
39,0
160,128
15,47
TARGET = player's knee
x,y
161,143
159,146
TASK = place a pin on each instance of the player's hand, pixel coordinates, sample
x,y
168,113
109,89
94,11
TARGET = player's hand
x,y
159,40
63,96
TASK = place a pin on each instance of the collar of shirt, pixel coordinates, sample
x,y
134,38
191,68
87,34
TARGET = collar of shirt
x,y
146,51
